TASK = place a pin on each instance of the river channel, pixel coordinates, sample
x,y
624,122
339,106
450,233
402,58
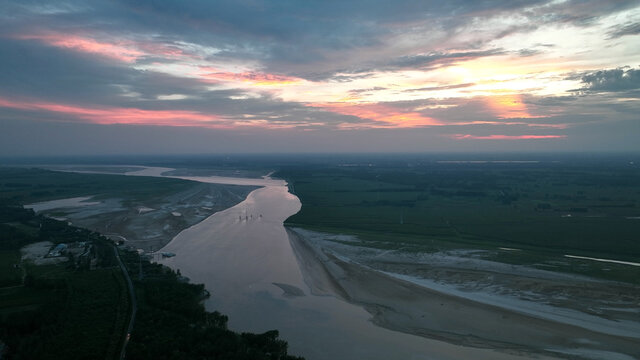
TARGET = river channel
x,y
244,258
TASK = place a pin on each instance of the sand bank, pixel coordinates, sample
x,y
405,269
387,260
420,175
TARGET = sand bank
x,y
405,306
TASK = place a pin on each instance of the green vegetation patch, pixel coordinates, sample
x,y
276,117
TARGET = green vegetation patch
x,y
68,310
80,308
172,323
24,186
547,208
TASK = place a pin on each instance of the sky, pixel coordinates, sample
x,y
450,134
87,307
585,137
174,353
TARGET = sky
x,y
159,76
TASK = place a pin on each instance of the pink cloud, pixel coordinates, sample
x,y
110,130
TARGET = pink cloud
x,y
119,115
122,50
386,116
505,137
540,125
257,78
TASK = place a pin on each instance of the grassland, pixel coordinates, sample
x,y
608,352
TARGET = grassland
x,y
547,209
24,186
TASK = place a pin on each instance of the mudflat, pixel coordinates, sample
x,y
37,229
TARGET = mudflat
x,y
389,289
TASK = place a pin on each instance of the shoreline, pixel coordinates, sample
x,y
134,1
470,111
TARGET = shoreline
x,y
405,306
149,224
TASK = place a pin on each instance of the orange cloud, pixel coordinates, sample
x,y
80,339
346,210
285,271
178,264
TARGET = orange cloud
x,y
509,107
386,115
122,51
118,115
256,78
506,137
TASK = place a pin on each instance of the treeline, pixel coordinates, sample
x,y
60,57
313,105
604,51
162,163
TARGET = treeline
x,y
172,323
58,311
64,311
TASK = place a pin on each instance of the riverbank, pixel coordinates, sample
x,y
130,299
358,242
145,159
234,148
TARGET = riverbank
x,y
248,265
391,292
145,209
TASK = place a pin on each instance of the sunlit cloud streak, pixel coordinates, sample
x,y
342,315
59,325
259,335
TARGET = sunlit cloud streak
x,y
117,115
503,68
252,77
381,115
123,51
505,137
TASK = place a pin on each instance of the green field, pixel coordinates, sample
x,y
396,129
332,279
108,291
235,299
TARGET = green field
x,y
24,186
548,209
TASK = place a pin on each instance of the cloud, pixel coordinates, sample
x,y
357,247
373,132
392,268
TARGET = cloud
x,y
253,77
436,67
505,137
529,52
118,115
121,50
612,80
577,12
624,30
443,87
439,58
380,115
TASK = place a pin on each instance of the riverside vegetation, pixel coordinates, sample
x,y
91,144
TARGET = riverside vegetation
x,y
78,308
545,209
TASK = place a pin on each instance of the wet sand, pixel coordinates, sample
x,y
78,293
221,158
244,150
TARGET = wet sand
x,y
149,224
62,203
407,307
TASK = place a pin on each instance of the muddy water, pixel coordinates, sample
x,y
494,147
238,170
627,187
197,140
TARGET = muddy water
x,y
241,252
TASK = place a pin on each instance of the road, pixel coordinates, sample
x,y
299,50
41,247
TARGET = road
x,y
134,305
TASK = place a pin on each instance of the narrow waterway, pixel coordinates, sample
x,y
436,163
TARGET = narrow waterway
x,y
244,258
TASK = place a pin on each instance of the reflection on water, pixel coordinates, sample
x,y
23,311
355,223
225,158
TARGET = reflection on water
x,y
241,252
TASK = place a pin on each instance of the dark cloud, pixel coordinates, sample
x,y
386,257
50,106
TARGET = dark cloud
x,y
309,39
577,12
368,90
31,69
613,80
336,41
529,52
624,30
428,60
550,100
305,37
444,87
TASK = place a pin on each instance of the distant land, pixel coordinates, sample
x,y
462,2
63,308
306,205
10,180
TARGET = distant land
x,y
490,256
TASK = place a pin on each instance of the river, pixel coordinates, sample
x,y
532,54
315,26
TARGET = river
x,y
240,254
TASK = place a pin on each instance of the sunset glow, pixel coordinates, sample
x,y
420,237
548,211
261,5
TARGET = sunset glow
x,y
117,115
487,68
252,78
119,51
384,116
508,106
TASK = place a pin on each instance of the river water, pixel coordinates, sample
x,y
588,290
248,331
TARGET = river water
x,y
240,253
